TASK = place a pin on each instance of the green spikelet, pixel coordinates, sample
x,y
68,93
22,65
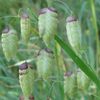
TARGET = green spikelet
x,y
9,42
74,32
47,25
82,81
45,63
69,84
25,27
26,79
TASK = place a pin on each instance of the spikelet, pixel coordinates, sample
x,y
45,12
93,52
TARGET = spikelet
x,y
47,25
9,42
69,84
25,27
74,33
82,81
26,79
45,63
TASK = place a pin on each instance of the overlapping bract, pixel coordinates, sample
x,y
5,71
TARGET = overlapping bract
x,y
74,37
47,25
69,84
26,79
82,81
25,27
45,63
74,33
9,43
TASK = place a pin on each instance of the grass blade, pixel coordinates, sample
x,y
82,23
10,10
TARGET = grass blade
x,y
81,64
94,19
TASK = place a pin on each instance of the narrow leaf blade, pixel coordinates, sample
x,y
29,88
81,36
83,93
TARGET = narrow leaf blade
x,y
81,64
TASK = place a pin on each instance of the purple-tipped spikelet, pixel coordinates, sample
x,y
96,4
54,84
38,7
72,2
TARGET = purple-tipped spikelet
x,y
47,25
26,79
82,81
45,63
9,42
69,83
25,27
74,33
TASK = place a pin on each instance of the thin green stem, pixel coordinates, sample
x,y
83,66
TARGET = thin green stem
x,y
96,31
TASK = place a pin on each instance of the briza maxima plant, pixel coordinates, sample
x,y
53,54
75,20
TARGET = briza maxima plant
x,y
74,33
9,42
47,25
74,36
26,79
82,81
45,63
25,25
51,81
69,84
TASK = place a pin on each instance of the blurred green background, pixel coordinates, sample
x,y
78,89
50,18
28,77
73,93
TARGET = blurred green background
x,y
9,15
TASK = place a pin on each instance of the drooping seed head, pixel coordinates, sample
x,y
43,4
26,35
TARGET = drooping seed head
x,y
25,24
47,25
82,81
73,30
26,79
69,83
45,63
9,41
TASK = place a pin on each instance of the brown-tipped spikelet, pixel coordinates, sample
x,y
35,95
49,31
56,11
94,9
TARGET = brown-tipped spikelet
x,y
74,32
25,27
26,79
69,84
48,25
45,63
9,42
82,81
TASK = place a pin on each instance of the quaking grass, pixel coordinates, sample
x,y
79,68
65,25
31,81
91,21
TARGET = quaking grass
x,y
26,79
74,33
47,25
25,27
9,42
45,63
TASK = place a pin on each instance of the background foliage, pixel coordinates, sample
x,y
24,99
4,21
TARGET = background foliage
x,y
9,15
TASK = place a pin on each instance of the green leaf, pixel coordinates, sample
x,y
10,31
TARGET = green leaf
x,y
81,64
